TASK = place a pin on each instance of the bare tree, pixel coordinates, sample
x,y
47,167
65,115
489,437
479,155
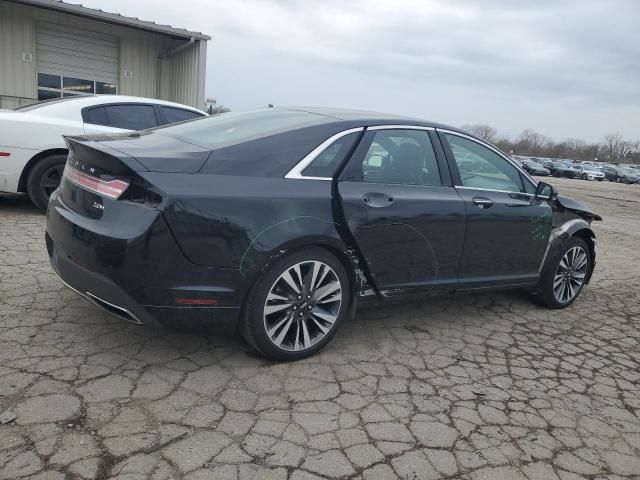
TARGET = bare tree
x,y
531,142
484,132
616,148
213,108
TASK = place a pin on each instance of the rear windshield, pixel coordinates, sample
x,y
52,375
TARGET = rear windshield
x,y
44,103
229,129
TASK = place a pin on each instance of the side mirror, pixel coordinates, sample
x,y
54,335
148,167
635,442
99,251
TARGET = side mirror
x,y
545,191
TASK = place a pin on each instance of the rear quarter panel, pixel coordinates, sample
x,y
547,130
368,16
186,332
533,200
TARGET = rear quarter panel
x,y
243,222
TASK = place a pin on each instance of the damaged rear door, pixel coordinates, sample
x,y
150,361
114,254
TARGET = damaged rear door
x,y
401,211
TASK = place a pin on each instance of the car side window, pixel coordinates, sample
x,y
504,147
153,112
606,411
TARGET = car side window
x,y
402,157
131,117
326,163
174,115
481,167
97,116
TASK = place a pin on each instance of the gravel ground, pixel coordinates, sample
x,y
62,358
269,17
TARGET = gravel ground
x,y
479,387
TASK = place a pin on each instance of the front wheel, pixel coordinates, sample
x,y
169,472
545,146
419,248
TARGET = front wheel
x,y
565,274
44,178
297,305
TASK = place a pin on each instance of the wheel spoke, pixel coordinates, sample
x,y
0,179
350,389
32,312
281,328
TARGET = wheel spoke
x,y
563,263
334,298
296,345
327,317
271,332
581,261
306,340
286,276
558,281
326,290
320,326
269,309
283,333
325,270
275,296
315,269
300,281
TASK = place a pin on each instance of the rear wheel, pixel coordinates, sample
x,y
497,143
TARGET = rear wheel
x,y
565,274
44,178
297,305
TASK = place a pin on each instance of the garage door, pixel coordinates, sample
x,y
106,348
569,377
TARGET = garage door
x,y
74,61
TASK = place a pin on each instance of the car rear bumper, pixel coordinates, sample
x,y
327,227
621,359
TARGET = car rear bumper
x,y
143,278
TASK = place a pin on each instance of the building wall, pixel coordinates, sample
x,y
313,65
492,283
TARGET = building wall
x,y
179,78
17,35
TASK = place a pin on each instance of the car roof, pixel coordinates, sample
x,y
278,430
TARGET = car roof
x,y
55,107
369,118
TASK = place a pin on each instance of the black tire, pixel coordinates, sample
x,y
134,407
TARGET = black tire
x,y
584,176
44,178
545,293
253,327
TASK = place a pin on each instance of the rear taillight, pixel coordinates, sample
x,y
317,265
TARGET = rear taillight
x,y
108,188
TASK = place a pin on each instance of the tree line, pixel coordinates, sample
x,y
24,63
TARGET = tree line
x,y
613,147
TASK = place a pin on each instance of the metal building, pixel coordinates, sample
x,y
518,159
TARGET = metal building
x,y
50,48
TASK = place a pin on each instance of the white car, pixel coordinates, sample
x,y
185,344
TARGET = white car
x,y
588,172
33,152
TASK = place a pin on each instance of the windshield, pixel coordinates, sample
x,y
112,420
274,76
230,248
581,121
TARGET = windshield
x,y
229,129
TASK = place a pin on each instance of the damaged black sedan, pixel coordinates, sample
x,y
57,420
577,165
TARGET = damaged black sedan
x,y
281,218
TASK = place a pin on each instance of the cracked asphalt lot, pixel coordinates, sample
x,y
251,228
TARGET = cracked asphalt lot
x,y
476,387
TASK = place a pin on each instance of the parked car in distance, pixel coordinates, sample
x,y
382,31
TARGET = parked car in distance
x,y
32,148
560,169
279,219
534,168
586,172
620,174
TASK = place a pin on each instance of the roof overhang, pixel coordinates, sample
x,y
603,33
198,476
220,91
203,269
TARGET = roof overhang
x,y
112,18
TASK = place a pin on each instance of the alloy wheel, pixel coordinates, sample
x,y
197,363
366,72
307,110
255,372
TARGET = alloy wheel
x,y
50,180
570,274
302,306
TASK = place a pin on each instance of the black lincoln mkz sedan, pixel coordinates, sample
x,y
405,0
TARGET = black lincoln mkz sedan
x,y
280,218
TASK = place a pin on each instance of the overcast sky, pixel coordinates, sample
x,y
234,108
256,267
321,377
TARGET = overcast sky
x,y
568,68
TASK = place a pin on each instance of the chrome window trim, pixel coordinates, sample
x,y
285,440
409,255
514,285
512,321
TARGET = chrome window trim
x,y
296,172
533,183
400,127
461,187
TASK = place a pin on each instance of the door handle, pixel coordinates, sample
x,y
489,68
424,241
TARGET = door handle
x,y
482,202
377,200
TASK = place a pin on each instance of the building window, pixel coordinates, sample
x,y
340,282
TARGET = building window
x,y
56,86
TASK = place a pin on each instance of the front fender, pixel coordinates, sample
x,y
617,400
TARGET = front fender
x,y
559,236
